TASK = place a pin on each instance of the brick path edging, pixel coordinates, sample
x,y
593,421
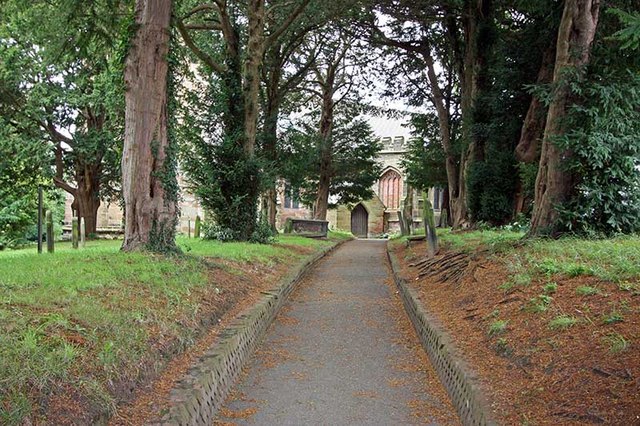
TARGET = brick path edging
x,y
458,379
200,394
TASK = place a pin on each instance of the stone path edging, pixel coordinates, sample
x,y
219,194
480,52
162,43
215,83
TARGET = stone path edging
x,y
458,379
198,396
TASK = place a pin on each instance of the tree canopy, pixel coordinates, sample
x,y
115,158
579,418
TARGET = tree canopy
x,y
502,91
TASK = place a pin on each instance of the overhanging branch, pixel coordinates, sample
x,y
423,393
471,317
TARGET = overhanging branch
x,y
203,56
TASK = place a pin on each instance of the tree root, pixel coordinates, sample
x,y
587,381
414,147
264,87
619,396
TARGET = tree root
x,y
450,267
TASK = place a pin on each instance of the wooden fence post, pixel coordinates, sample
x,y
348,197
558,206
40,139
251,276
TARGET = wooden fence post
x,y
39,219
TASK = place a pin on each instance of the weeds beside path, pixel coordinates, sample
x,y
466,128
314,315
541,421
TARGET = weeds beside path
x,y
80,330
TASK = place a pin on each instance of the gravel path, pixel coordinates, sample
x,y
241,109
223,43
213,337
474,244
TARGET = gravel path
x,y
341,352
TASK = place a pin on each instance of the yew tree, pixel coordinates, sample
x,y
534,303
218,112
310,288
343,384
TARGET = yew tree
x,y
445,38
229,40
337,74
148,162
354,166
555,183
60,83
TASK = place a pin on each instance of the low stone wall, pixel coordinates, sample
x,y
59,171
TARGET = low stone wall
x,y
199,395
458,379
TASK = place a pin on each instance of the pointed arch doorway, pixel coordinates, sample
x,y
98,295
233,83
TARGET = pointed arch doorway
x,y
359,221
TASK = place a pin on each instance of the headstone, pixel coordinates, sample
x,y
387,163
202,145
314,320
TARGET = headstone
x,y
288,226
74,232
82,232
444,219
403,227
49,220
429,226
196,229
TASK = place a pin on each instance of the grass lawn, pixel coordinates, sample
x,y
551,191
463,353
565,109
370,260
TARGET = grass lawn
x,y
83,322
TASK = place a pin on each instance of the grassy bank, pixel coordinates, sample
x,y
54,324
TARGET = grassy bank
x,y
78,326
610,259
553,326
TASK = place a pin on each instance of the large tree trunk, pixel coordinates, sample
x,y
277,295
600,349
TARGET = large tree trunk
x,y
270,138
87,196
478,22
150,210
536,118
555,184
326,154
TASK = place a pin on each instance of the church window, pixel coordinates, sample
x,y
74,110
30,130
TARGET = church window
x,y
291,197
390,189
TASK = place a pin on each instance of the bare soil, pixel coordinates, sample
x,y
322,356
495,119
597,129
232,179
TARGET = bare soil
x,y
533,374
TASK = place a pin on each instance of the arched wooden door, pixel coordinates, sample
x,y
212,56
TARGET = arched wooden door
x,y
359,221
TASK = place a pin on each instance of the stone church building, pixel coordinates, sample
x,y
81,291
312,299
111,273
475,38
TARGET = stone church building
x,y
379,215
368,218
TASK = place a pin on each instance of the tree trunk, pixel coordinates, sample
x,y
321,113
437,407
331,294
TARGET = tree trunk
x,y
326,128
536,118
457,189
253,61
554,184
322,200
475,79
270,139
87,197
150,209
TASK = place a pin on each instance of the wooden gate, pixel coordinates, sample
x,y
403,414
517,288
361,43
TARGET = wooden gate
x,y
359,221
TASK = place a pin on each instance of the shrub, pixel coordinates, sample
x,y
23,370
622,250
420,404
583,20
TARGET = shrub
x,y
213,231
263,234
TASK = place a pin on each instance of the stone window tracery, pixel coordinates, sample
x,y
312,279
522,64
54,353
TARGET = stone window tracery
x,y
390,189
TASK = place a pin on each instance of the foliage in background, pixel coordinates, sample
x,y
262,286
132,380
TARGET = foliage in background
x,y
424,160
61,84
605,139
354,163
23,167
502,105
218,171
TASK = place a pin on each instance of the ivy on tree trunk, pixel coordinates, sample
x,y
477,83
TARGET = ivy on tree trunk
x,y
147,166
554,183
